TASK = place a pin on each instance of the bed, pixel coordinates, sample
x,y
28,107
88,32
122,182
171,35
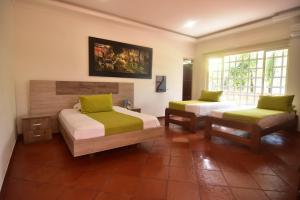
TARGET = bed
x,y
188,113
85,135
246,125
57,98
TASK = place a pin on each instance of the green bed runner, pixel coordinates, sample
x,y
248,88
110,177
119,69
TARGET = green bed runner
x,y
115,122
180,105
250,116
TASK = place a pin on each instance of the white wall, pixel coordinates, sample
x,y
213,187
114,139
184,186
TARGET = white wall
x,y
260,36
52,44
7,90
293,85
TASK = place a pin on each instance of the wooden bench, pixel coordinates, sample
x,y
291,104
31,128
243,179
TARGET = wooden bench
x,y
188,120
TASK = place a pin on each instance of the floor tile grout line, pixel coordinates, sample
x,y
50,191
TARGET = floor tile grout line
x,y
168,178
291,187
197,178
230,188
283,180
252,175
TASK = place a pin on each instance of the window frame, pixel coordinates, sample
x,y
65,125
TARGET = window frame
x,y
265,49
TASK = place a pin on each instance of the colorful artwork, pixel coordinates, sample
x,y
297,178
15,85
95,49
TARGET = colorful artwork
x,y
161,84
116,59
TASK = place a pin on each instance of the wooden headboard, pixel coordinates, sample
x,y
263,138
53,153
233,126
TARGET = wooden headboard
x,y
50,97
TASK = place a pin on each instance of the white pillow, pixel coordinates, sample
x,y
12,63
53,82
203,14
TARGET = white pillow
x,y
77,106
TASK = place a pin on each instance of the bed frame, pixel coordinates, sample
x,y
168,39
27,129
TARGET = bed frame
x,y
255,132
98,144
50,97
186,119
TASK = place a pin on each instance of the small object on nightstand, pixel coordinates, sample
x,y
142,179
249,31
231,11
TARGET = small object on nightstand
x,y
36,128
135,109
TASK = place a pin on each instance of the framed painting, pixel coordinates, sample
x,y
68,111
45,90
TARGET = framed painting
x,y
117,59
161,84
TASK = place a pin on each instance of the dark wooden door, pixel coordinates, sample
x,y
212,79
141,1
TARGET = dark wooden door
x,y
187,82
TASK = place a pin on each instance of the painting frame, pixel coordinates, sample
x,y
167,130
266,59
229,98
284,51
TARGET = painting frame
x,y
138,62
160,83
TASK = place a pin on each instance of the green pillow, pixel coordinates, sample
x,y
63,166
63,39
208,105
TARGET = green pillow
x,y
210,95
96,103
282,103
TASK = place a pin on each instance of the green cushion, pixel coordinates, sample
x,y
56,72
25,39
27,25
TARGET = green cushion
x,y
210,95
282,103
250,116
180,105
96,103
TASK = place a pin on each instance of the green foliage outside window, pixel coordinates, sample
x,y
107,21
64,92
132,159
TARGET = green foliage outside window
x,y
243,77
240,74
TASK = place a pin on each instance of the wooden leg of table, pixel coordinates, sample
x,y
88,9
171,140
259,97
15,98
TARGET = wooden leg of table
x,y
167,117
295,125
256,140
208,127
193,124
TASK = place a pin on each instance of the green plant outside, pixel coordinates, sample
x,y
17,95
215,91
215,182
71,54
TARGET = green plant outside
x,y
240,74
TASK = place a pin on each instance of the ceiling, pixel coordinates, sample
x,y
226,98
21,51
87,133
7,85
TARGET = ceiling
x,y
194,18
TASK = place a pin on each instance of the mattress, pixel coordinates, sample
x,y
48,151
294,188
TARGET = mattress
x,y
80,126
203,108
265,122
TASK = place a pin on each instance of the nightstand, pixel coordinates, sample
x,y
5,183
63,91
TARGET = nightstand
x,y
135,109
36,128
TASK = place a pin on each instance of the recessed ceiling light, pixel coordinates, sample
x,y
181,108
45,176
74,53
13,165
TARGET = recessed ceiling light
x,y
190,24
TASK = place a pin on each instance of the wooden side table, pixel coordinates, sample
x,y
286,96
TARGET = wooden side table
x,y
36,128
135,109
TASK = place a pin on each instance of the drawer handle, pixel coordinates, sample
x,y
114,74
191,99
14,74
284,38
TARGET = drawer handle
x,y
37,124
38,135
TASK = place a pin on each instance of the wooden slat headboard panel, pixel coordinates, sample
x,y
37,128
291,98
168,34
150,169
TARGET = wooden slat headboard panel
x,y
85,88
50,97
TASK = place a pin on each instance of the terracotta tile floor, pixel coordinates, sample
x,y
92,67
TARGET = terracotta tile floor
x,y
178,166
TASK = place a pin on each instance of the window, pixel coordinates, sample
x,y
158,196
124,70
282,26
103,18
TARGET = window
x,y
243,77
275,72
215,73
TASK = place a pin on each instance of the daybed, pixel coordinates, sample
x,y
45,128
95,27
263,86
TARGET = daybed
x,y
248,125
188,113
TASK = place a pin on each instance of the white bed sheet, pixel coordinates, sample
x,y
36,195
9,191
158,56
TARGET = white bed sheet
x,y
204,109
263,123
80,126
